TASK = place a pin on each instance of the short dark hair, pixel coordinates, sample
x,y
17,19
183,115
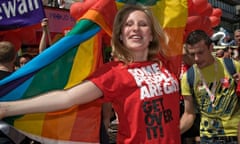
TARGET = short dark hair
x,y
198,35
26,55
7,52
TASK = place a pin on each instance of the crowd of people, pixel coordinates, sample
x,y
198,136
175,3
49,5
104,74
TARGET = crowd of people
x,y
230,51
11,61
63,4
145,92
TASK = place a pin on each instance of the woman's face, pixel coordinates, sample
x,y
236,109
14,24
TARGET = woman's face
x,y
136,32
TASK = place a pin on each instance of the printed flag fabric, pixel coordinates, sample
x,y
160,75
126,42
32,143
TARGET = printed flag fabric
x,y
69,61
20,13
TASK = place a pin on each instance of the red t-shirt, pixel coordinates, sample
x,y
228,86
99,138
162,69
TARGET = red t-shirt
x,y
146,99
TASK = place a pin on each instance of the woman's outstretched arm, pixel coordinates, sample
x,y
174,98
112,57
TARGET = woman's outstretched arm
x,y
52,101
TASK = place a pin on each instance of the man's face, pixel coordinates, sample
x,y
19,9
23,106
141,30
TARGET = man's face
x,y
200,53
237,38
220,53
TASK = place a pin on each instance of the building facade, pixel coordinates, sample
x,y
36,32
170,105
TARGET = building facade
x,y
230,19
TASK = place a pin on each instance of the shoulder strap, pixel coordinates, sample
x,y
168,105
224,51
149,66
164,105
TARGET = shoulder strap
x,y
229,65
190,80
190,76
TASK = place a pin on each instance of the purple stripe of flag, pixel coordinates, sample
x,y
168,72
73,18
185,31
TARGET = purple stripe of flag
x,y
13,84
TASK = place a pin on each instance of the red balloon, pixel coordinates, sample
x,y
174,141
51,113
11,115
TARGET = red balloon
x,y
209,32
217,12
186,33
199,5
190,3
193,22
191,10
207,11
206,22
214,21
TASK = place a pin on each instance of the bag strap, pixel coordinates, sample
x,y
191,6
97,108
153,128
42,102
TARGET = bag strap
x,y
190,77
228,62
191,74
230,66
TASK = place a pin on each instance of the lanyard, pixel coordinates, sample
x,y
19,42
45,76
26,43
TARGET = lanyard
x,y
211,93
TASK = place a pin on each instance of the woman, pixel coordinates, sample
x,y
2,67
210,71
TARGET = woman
x,y
144,93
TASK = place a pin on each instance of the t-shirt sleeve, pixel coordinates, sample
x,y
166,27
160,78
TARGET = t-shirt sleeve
x,y
185,89
107,81
237,65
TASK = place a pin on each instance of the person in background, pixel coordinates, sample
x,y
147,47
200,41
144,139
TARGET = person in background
x,y
25,58
237,42
228,52
143,92
192,135
237,37
213,93
8,55
224,53
220,53
56,3
45,35
187,61
22,60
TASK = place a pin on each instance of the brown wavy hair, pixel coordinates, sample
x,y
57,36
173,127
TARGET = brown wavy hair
x,y
160,38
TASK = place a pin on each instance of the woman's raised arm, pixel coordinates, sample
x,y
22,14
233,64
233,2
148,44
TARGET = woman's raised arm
x,y
52,101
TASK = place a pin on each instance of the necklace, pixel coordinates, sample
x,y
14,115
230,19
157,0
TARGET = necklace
x,y
211,93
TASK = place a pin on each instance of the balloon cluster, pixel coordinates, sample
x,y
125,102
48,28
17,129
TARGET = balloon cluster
x,y
201,15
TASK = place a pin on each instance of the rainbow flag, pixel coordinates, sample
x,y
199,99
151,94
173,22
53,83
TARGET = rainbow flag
x,y
69,61
172,16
